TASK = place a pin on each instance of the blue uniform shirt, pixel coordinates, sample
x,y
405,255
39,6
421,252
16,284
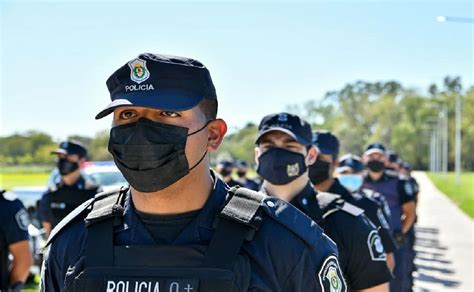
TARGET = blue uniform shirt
x,y
288,253
14,221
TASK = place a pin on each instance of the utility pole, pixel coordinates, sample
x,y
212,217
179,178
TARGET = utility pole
x,y
458,139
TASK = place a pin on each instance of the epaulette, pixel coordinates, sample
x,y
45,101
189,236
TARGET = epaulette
x,y
391,173
86,206
330,203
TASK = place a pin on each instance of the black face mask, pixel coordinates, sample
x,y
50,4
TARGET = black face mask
x,y
226,172
280,166
375,165
319,171
241,173
66,167
151,155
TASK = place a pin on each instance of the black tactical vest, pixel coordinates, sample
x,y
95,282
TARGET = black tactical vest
x,y
65,199
218,266
4,276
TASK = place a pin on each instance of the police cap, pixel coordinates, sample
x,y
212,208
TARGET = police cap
x,y
375,148
326,142
70,148
292,125
159,82
350,162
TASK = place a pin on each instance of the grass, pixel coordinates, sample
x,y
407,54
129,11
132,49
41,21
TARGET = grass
x,y
462,195
11,180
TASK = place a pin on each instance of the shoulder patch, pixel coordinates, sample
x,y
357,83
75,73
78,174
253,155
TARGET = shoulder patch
x,y
408,188
22,219
330,276
351,209
382,219
374,243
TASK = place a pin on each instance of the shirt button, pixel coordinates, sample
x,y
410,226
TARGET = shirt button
x,y
304,201
270,204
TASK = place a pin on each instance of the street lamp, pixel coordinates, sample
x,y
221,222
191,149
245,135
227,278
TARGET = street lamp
x,y
457,147
454,19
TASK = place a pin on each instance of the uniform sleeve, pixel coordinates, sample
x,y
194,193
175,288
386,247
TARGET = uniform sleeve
x,y
378,217
51,278
317,270
406,190
16,224
44,211
367,259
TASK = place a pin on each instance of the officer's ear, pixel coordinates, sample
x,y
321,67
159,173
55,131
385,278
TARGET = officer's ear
x,y
257,154
312,155
217,129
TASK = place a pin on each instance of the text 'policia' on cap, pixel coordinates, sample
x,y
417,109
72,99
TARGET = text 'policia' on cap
x,y
292,125
160,82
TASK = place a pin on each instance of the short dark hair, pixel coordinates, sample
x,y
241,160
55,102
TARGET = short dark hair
x,y
209,108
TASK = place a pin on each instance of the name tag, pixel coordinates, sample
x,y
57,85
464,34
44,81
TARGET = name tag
x,y
151,285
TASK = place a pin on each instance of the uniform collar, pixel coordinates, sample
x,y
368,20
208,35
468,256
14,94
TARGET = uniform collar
x,y
200,229
79,184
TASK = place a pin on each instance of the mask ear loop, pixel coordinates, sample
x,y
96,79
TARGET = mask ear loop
x,y
205,153
200,129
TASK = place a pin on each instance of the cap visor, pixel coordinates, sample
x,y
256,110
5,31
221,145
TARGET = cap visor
x,y
286,131
343,168
59,151
374,150
163,99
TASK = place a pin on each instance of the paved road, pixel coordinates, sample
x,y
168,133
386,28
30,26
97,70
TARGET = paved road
x,y
445,242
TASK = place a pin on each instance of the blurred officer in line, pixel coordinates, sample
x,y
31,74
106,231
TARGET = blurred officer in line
x,y
284,152
401,200
351,177
242,168
225,168
14,240
71,190
179,227
392,165
405,172
321,174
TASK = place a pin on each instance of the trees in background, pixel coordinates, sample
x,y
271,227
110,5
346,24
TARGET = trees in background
x,y
359,113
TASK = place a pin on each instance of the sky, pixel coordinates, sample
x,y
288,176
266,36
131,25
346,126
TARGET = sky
x,y
263,56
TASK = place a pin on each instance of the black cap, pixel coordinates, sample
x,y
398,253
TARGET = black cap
x,y
406,165
70,148
160,82
326,142
393,157
375,148
226,164
289,124
350,161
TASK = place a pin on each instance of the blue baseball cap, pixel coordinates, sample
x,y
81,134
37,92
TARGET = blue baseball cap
x,y
326,142
350,162
292,125
375,148
159,82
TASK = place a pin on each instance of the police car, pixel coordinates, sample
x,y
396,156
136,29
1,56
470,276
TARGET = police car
x,y
102,173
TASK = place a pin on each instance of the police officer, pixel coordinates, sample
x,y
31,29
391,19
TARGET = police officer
x,y
321,175
225,168
13,240
242,168
349,185
392,165
405,172
283,155
72,188
400,197
178,227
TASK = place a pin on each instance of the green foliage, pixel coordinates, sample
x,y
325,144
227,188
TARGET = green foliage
x,y
238,145
462,195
